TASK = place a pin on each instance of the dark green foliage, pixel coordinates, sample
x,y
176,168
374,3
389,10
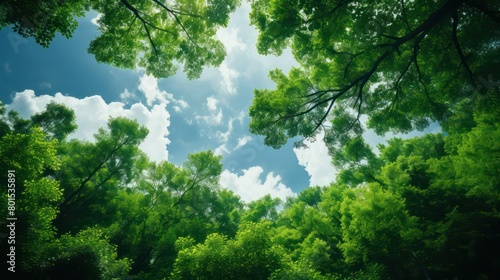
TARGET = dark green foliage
x,y
41,19
92,173
57,120
82,265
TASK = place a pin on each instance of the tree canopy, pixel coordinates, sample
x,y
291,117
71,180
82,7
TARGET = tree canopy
x,y
425,207
42,19
403,64
159,36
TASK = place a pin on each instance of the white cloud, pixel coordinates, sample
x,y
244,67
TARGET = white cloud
x,y
212,119
125,96
241,50
250,187
242,141
240,117
182,103
93,112
224,136
157,120
94,20
217,119
212,103
222,149
25,104
148,85
316,162
229,37
228,77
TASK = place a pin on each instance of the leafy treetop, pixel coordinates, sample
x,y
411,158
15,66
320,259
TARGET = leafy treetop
x,y
156,35
401,63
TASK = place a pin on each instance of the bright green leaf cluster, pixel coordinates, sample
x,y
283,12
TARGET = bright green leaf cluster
x,y
403,65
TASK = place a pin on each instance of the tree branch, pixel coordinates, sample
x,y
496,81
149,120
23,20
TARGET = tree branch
x,y
412,60
327,13
459,49
403,15
193,184
420,32
144,22
130,26
91,175
174,14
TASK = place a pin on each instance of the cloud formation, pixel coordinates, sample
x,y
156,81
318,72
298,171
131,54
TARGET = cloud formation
x,y
148,85
126,96
229,37
250,187
242,141
212,103
213,119
95,20
229,75
221,150
316,161
93,112
224,136
234,45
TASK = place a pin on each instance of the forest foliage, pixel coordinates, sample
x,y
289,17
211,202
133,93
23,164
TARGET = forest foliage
x,y
425,207
419,208
159,36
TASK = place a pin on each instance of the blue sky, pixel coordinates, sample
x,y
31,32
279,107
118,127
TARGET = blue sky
x,y
183,116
